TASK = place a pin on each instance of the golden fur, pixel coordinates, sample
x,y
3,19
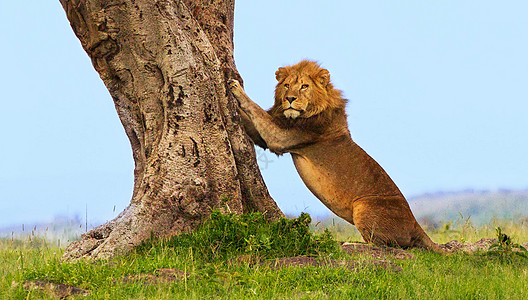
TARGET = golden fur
x,y
308,120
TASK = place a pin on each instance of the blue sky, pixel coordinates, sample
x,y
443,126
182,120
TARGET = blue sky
x,y
437,95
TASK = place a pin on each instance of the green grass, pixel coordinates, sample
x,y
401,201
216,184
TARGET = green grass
x,y
461,229
207,253
225,237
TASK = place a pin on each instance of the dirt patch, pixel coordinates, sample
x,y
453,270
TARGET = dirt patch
x,y
376,252
304,261
478,246
159,276
455,246
61,291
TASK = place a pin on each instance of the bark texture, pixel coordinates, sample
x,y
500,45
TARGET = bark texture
x,y
166,66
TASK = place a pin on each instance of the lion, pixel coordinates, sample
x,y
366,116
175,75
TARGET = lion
x,y
308,120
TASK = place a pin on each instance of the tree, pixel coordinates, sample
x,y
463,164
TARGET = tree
x,y
166,66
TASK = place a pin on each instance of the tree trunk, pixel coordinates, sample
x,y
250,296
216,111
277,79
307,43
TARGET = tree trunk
x,y
166,65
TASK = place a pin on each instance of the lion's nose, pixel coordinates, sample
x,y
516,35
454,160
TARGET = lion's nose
x,y
291,99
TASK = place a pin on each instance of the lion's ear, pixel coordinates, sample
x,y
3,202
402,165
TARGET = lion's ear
x,y
280,74
323,77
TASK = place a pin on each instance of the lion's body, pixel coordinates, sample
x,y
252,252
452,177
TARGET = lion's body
x,y
352,185
308,120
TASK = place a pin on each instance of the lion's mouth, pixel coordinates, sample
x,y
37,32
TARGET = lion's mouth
x,y
292,113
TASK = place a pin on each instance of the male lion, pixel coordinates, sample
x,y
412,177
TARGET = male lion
x,y
309,121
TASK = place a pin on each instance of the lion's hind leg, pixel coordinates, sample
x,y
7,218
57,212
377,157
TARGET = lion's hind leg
x,y
388,220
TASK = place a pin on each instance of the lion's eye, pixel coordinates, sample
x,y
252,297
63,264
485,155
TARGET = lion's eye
x,y
286,85
304,86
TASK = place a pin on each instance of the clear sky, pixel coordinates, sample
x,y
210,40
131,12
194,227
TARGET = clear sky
x,y
438,95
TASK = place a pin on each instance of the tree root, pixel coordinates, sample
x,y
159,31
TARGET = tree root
x,y
115,237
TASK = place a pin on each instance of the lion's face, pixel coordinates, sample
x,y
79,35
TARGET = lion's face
x,y
304,90
295,93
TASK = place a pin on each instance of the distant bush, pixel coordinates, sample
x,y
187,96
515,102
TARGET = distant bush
x,y
224,236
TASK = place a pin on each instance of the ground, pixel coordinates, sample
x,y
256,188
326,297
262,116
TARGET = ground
x,y
255,269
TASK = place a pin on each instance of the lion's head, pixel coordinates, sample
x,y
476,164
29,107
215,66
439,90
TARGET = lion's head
x,y
304,90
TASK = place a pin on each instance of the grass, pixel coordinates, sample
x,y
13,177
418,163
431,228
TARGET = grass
x,y
225,237
207,255
461,229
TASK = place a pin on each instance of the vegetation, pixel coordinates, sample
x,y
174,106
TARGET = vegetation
x,y
210,256
505,248
461,229
225,237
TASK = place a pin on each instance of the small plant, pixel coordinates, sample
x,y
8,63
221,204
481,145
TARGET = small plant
x,y
446,227
467,230
505,247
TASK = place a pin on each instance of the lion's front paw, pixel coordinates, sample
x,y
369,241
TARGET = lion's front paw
x,y
235,88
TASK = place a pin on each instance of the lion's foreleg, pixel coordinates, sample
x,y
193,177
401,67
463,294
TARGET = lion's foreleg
x,y
252,131
278,140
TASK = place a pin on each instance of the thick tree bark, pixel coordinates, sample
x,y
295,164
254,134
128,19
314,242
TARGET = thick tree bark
x,y
166,65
